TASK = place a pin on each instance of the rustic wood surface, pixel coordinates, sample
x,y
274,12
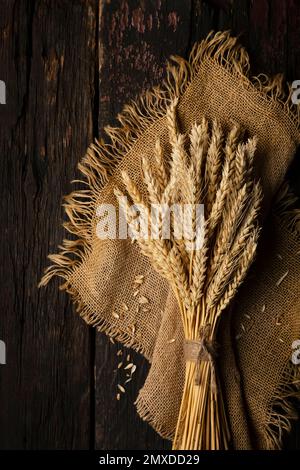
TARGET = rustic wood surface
x,y
69,68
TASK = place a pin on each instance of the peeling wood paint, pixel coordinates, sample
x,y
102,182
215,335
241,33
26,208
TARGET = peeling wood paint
x,y
173,20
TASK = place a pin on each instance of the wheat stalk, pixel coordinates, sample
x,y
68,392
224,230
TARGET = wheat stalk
x,y
217,171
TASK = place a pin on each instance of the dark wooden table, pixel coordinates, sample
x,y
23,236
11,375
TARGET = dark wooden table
x,y
69,67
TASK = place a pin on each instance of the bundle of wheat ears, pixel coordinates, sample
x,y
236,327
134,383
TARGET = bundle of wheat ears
x,y
215,169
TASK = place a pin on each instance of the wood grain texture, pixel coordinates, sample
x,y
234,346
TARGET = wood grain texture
x,y
48,50
69,68
135,40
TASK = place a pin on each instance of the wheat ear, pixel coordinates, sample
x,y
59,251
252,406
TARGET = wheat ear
x,y
199,138
160,167
240,274
234,250
153,187
228,227
213,164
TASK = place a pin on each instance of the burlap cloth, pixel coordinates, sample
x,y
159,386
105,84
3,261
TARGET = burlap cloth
x,y
256,334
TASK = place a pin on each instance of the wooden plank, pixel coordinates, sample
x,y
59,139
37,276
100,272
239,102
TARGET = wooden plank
x,y
47,55
69,68
271,33
135,39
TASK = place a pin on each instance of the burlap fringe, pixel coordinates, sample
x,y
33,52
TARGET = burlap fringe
x,y
102,158
282,409
287,208
146,414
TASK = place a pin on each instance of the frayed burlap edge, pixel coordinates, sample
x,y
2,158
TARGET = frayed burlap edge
x,y
282,408
146,414
103,157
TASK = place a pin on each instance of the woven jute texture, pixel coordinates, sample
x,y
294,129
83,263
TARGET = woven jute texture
x,y
256,333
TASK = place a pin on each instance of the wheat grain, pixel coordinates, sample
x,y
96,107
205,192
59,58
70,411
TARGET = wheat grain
x,y
281,279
